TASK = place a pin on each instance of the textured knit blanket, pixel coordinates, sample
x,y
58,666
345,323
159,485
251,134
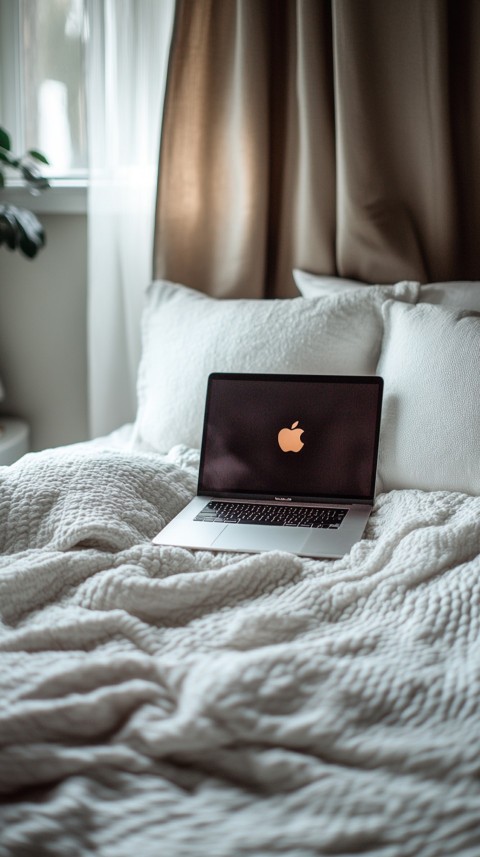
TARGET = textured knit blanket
x,y
159,701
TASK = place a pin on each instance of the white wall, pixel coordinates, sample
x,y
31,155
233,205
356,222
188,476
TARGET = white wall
x,y
43,359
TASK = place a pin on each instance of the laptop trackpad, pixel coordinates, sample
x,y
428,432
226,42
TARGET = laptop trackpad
x,y
248,537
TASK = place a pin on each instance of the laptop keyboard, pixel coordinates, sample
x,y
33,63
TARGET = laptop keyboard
x,y
218,511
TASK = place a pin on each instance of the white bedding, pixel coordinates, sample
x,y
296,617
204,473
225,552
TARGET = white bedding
x,y
160,701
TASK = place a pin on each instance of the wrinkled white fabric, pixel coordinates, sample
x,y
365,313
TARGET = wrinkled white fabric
x,y
161,701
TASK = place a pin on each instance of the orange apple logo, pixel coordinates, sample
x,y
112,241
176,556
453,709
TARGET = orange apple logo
x,y
289,438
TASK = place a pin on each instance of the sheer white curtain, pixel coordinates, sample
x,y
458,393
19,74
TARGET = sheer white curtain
x,y
127,58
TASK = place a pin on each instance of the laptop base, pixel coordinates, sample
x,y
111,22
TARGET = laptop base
x,y
185,532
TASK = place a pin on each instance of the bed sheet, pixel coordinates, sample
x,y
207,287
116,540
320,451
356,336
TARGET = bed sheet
x,y
158,700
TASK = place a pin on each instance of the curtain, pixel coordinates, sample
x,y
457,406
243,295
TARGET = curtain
x,y
127,54
332,135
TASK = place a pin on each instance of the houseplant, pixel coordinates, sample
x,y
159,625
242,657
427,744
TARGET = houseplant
x,y
19,228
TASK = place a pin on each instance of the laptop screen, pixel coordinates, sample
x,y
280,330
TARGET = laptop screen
x,y
295,436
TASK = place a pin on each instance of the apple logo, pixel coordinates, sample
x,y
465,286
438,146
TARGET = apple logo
x,y
289,438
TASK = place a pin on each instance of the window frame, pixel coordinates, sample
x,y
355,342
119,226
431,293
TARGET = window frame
x,y
11,90
66,195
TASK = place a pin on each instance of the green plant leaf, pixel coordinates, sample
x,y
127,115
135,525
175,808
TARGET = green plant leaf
x,y
21,230
34,178
5,141
7,158
34,153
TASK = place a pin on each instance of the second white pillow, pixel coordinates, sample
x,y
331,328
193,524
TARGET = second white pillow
x,y
430,434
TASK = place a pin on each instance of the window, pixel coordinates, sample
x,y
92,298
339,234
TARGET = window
x,y
53,38
42,82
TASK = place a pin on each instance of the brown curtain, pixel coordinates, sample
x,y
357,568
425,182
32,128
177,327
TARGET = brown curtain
x,y
340,137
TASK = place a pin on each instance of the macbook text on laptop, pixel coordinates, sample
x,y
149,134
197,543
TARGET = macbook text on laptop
x,y
288,462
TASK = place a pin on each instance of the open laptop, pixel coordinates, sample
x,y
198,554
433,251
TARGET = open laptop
x,y
288,462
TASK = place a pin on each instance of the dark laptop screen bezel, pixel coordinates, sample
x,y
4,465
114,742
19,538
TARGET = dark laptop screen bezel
x,y
336,379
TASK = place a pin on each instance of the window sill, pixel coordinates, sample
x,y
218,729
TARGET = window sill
x,y
62,197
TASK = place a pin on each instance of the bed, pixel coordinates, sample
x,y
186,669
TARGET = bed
x,y
166,701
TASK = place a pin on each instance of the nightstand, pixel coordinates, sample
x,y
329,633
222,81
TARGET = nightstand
x,y
14,439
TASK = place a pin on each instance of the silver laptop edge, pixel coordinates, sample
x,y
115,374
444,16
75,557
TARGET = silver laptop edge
x,y
184,531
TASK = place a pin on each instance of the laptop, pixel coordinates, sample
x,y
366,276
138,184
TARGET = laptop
x,y
288,462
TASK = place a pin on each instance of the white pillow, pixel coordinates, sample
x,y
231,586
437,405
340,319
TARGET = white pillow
x,y
318,286
462,294
186,335
430,434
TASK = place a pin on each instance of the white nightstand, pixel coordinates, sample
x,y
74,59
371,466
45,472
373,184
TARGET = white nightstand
x,y
14,440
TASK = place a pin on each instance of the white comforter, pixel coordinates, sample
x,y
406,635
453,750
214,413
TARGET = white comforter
x,y
156,701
